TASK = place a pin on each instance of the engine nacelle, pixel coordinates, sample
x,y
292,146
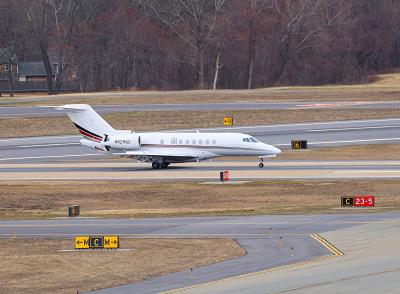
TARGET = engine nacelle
x,y
124,141
93,145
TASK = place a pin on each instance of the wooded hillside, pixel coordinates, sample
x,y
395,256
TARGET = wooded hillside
x,y
195,44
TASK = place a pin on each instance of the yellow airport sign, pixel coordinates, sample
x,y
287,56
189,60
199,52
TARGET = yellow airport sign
x,y
82,242
97,242
228,121
111,242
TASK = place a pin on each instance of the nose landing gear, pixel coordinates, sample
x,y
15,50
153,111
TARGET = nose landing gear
x,y
261,164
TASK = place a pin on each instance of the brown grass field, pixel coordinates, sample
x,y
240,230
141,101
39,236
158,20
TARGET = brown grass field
x,y
163,120
381,87
147,199
37,266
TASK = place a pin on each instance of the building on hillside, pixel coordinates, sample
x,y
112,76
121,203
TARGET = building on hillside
x,y
34,71
5,64
31,76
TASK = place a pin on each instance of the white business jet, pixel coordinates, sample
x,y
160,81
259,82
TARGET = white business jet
x,y
162,148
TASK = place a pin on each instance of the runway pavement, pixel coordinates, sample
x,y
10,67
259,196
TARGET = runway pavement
x,y
264,250
339,133
33,111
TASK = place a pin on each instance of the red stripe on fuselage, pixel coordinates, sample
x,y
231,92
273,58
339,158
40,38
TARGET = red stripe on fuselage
x,y
90,136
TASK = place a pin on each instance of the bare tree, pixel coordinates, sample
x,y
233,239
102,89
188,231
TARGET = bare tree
x,y
193,22
299,22
64,13
218,65
10,37
39,18
254,10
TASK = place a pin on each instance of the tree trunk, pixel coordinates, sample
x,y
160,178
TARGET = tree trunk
x,y
201,83
217,66
200,68
250,73
47,66
10,79
59,73
252,51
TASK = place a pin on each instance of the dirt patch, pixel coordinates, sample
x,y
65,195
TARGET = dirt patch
x,y
36,266
163,120
127,199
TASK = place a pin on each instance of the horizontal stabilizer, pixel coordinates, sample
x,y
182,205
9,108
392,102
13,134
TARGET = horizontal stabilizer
x,y
69,107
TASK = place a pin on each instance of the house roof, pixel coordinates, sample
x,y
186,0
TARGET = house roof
x,y
4,56
32,68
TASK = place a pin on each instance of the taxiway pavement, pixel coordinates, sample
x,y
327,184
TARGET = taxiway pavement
x,y
264,250
238,170
34,111
337,133
370,265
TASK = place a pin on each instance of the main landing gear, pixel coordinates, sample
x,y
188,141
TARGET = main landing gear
x,y
261,164
157,165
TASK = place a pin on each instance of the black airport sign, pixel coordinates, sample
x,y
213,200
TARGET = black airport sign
x,y
347,201
299,144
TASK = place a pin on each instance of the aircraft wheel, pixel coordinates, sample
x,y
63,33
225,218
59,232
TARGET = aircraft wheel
x,y
155,165
261,165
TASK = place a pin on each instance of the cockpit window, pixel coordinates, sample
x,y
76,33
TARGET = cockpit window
x,y
246,140
253,140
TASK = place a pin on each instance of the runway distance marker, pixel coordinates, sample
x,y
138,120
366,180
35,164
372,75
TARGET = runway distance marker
x,y
299,144
364,200
228,121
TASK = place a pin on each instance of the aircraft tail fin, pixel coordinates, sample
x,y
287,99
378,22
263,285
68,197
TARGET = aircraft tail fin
x,y
89,123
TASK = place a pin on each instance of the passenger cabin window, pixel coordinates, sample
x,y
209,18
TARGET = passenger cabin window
x,y
180,141
207,142
187,142
193,142
200,142
214,142
162,141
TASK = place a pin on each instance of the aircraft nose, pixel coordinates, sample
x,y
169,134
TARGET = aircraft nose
x,y
275,150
